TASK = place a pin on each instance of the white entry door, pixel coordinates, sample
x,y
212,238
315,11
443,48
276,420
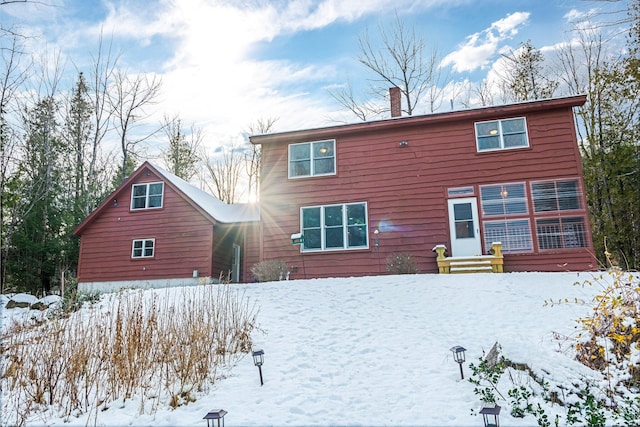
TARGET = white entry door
x,y
235,264
464,227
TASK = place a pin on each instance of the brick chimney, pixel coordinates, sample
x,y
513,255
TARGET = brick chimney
x,y
396,103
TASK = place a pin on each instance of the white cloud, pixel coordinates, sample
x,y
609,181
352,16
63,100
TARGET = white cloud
x,y
480,48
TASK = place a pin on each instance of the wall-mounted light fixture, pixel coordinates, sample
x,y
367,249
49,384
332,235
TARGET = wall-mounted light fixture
x,y
404,143
115,202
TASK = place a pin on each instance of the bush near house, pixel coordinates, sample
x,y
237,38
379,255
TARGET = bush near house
x,y
269,271
401,263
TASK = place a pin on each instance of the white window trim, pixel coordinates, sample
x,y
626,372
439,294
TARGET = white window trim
x,y
311,165
345,226
144,243
501,134
146,200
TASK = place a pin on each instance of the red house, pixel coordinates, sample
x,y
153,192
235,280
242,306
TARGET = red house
x,y
355,194
157,230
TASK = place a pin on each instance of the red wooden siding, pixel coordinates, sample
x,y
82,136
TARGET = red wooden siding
x,y
251,250
183,239
405,187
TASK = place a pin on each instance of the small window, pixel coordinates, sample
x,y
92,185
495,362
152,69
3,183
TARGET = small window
x,y
551,196
143,248
312,159
561,233
334,227
501,134
503,199
515,235
147,196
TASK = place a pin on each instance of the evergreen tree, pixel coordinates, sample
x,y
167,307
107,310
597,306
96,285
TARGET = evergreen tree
x,y
526,77
76,192
36,243
181,157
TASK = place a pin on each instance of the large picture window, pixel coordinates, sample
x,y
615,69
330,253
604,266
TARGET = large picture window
x,y
147,196
501,134
312,159
143,248
334,227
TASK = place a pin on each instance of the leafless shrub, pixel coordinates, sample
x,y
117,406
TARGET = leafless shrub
x,y
270,270
401,263
162,350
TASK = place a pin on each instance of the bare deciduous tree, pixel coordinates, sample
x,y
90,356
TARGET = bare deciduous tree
x,y
223,169
254,157
129,98
100,82
399,62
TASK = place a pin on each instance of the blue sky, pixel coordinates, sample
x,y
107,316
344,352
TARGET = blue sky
x,y
227,63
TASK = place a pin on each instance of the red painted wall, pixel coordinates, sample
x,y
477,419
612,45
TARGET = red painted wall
x,y
406,187
184,239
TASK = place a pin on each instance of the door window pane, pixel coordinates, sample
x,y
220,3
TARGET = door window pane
x,y
463,216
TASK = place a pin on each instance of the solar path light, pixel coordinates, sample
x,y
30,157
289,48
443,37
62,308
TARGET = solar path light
x,y
458,356
258,360
215,414
491,415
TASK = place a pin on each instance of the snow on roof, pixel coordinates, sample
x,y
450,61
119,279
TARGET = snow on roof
x,y
223,212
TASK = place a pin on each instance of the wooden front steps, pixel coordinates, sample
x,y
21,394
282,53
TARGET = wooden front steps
x,y
472,264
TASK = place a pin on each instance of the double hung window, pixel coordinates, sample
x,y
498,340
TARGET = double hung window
x,y
143,248
147,196
312,159
501,134
334,227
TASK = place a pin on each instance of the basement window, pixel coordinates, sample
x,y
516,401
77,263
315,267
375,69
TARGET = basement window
x,y
147,196
143,248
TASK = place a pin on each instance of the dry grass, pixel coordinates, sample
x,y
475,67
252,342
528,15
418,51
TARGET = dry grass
x,y
161,351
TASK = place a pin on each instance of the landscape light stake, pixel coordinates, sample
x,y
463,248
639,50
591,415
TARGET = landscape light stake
x,y
491,415
258,360
215,414
458,356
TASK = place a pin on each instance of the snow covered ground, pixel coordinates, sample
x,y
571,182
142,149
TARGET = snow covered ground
x,y
375,351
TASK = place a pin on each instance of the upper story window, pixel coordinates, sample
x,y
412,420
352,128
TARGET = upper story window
x,y
312,159
147,196
559,195
334,227
502,134
143,248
